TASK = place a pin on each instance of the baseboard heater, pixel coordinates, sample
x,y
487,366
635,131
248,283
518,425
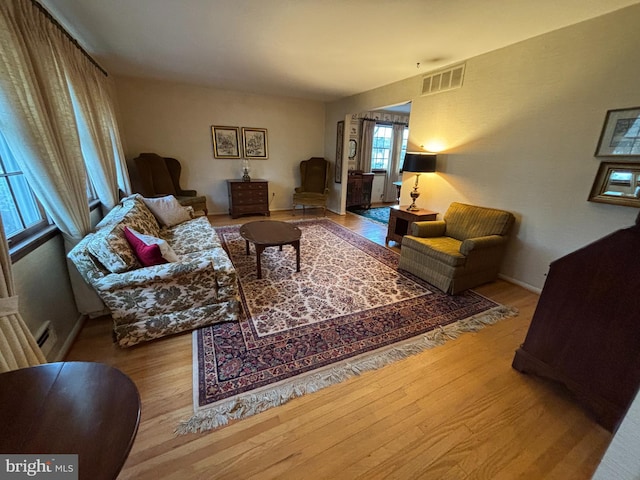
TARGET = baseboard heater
x,y
46,337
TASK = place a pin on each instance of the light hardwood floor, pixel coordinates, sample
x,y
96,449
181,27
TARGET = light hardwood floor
x,y
458,411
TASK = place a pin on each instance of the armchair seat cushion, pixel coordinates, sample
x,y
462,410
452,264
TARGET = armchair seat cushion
x,y
443,249
309,197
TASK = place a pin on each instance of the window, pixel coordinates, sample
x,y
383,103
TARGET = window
x,y
22,214
403,151
381,148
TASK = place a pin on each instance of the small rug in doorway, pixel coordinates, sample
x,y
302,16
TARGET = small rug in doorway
x,y
377,214
347,311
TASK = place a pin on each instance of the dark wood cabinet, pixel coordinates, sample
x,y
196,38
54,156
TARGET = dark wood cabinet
x,y
359,186
400,220
248,198
585,332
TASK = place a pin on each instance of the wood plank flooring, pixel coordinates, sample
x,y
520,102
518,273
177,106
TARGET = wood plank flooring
x,y
458,411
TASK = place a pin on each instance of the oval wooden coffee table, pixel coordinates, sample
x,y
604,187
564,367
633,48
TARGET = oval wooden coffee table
x,y
271,233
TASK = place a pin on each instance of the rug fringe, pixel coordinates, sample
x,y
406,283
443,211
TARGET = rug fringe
x,y
251,404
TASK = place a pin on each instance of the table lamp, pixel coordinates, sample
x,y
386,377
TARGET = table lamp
x,y
418,162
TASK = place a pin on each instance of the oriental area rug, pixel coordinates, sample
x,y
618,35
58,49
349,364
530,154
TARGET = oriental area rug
x,y
347,311
376,214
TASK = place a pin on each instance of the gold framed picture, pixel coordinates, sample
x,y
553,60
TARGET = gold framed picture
x,y
254,143
226,141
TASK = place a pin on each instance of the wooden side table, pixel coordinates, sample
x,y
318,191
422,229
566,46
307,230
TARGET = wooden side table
x,y
400,220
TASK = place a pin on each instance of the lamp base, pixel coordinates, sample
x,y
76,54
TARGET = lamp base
x,y
414,195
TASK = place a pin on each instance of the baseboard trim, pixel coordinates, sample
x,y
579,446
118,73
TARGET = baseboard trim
x,y
524,285
68,343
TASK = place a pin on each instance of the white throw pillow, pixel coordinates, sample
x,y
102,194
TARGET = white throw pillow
x,y
165,250
167,210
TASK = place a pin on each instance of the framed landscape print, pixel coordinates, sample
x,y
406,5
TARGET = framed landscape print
x,y
254,143
620,133
226,141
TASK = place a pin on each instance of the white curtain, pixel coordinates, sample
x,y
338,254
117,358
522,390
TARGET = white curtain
x,y
393,172
37,117
99,139
43,76
18,348
368,127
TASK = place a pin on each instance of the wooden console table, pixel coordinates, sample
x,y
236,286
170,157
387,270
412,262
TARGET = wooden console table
x,y
88,409
248,198
400,220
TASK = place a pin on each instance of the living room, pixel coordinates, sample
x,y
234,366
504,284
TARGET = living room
x,y
520,134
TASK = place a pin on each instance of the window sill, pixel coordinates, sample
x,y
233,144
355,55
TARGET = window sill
x,y
28,245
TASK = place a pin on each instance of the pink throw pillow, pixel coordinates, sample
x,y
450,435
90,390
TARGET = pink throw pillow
x,y
148,255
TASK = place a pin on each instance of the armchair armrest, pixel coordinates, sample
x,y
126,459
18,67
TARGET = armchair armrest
x,y
434,228
479,243
187,193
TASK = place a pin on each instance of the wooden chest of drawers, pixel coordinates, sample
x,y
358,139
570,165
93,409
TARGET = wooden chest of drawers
x,y
248,198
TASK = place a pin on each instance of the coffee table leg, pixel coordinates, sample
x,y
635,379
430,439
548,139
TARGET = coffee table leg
x,y
247,244
296,245
259,249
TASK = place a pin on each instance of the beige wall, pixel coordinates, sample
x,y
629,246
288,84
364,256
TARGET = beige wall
x,y
521,134
41,281
175,120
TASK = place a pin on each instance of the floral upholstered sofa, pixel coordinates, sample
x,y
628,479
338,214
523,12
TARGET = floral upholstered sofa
x,y
197,287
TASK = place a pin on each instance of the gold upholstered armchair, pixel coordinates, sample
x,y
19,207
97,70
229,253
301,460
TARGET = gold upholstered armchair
x,y
155,176
314,188
461,251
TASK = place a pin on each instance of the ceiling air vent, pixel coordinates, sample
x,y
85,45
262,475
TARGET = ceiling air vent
x,y
443,80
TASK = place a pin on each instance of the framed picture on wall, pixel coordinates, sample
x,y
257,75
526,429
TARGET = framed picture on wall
x,y
339,141
254,143
226,141
620,133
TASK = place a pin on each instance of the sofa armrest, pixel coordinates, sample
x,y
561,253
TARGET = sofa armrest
x,y
157,274
225,271
435,228
479,243
188,193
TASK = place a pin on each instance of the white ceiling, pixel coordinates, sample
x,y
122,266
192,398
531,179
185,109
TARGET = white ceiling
x,y
317,49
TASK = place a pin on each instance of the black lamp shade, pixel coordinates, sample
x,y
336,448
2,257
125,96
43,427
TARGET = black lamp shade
x,y
417,162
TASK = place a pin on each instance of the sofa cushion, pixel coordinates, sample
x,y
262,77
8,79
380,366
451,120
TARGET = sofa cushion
x,y
147,254
469,221
167,210
109,245
193,236
143,245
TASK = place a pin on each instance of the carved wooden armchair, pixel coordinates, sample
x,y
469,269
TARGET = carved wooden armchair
x,y
314,188
155,176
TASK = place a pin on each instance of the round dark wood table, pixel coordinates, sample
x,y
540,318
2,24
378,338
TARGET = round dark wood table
x,y
271,233
83,408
